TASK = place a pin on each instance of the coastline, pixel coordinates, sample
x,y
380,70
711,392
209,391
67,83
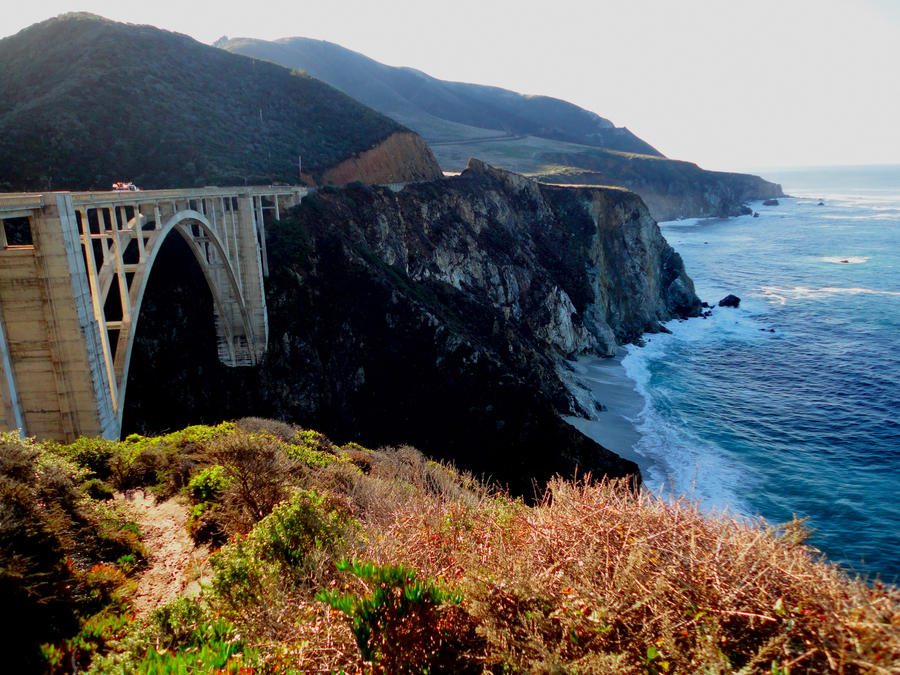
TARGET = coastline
x,y
615,426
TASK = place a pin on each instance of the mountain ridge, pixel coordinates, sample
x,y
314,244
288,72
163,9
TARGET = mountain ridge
x,y
407,93
87,101
543,138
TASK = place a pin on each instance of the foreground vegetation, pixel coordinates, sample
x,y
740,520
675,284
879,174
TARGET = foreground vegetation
x,y
343,559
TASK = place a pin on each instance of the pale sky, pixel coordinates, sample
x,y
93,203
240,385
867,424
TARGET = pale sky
x,y
729,84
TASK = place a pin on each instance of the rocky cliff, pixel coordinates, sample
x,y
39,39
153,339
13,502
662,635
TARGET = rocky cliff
x,y
671,189
442,314
402,156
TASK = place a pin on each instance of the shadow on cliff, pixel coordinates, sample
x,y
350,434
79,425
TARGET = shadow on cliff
x,y
439,316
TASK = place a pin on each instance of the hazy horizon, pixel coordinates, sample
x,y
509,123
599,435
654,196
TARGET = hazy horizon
x,y
742,85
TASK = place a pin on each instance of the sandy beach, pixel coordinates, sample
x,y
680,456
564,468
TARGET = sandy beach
x,y
614,427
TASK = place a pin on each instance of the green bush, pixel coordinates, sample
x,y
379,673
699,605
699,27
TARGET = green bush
x,y
209,484
404,625
94,454
296,542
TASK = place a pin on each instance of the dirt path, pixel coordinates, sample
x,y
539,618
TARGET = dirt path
x,y
176,564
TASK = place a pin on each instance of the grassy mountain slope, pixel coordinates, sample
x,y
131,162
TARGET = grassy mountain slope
x,y
85,101
436,108
538,136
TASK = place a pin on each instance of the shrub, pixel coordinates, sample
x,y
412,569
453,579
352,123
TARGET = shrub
x,y
98,489
404,625
54,546
258,471
603,579
261,425
223,656
165,463
184,637
295,543
312,449
209,484
313,440
205,524
94,454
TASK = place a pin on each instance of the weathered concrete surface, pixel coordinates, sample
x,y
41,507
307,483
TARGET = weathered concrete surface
x,y
70,300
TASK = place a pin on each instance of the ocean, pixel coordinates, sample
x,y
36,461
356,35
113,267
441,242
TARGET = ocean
x,y
789,404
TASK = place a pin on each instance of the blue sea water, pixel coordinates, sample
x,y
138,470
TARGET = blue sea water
x,y
790,403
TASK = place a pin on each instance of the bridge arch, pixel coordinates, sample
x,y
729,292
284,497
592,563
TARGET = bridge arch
x,y
237,342
80,285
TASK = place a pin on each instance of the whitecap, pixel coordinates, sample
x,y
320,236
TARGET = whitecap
x,y
850,259
782,295
674,459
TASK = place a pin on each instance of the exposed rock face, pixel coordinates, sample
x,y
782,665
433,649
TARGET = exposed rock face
x,y
730,301
671,189
441,315
402,157
719,194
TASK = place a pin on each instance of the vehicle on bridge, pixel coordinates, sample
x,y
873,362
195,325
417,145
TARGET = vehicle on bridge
x,y
120,186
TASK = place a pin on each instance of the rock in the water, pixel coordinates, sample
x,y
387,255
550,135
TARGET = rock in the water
x,y
730,301
770,202
756,214
745,210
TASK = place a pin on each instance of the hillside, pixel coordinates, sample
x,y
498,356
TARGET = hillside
x,y
332,558
85,101
437,109
537,136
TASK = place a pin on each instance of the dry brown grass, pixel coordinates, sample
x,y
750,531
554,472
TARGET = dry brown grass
x,y
598,579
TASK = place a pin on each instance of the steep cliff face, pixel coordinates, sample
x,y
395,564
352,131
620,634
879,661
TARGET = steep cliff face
x,y
401,157
441,315
717,194
671,189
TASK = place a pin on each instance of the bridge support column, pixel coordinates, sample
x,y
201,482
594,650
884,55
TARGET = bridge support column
x,y
249,247
52,341
10,411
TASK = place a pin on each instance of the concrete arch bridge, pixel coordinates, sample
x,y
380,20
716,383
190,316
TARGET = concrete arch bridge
x,y
73,270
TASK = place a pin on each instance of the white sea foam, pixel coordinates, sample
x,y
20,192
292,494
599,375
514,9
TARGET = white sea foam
x,y
850,259
782,295
684,223
673,457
